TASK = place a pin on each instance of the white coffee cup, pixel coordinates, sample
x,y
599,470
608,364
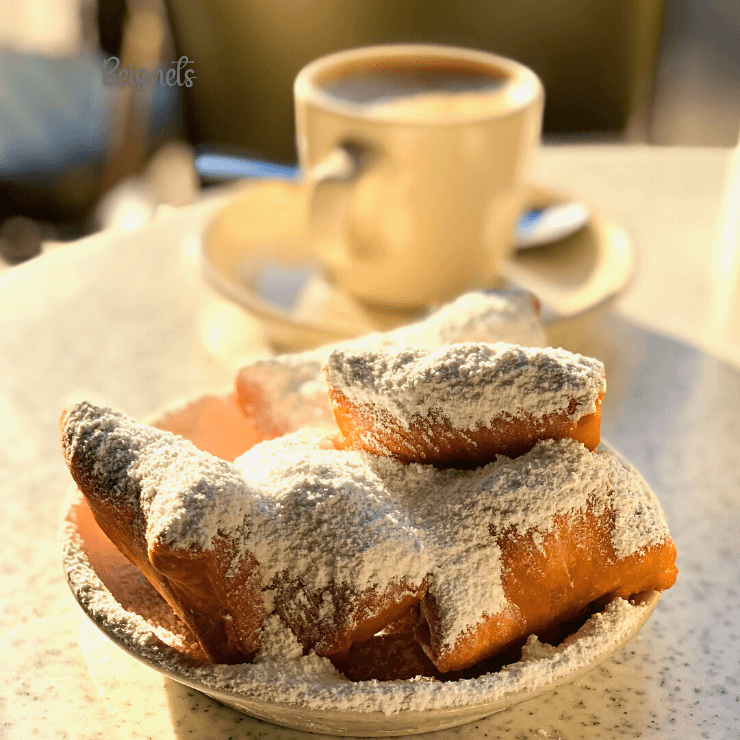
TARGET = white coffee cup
x,y
417,160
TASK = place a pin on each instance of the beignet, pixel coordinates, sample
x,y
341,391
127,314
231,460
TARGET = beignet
x,y
178,514
341,544
461,405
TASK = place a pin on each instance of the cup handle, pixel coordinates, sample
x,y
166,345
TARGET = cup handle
x,y
329,185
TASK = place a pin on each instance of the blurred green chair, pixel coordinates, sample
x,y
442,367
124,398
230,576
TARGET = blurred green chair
x,y
596,59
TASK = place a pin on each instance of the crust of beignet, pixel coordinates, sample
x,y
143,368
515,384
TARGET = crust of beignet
x,y
406,623
194,584
394,657
438,443
550,579
355,617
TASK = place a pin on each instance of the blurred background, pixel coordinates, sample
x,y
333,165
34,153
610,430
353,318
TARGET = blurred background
x,y
71,146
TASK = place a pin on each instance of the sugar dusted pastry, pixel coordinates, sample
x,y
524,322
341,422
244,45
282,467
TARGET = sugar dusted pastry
x,y
177,513
465,403
493,555
340,539
530,543
319,544
344,542
339,558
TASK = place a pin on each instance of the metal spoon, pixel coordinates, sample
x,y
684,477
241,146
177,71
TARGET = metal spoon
x,y
540,226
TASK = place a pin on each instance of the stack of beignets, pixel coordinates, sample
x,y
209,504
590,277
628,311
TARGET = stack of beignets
x,y
462,503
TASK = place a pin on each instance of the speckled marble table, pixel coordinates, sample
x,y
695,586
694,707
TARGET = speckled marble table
x,y
127,319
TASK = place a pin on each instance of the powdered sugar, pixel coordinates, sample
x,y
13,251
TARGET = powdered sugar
x,y
459,514
350,517
309,683
186,495
638,517
503,316
328,516
313,685
288,392
278,643
468,384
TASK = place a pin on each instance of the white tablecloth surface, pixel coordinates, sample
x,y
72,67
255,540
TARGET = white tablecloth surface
x,y
125,318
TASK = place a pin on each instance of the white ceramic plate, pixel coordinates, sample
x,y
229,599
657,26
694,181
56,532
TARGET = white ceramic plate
x,y
256,252
115,596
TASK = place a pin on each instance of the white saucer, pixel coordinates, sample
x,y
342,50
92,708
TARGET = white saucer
x,y
117,599
256,251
